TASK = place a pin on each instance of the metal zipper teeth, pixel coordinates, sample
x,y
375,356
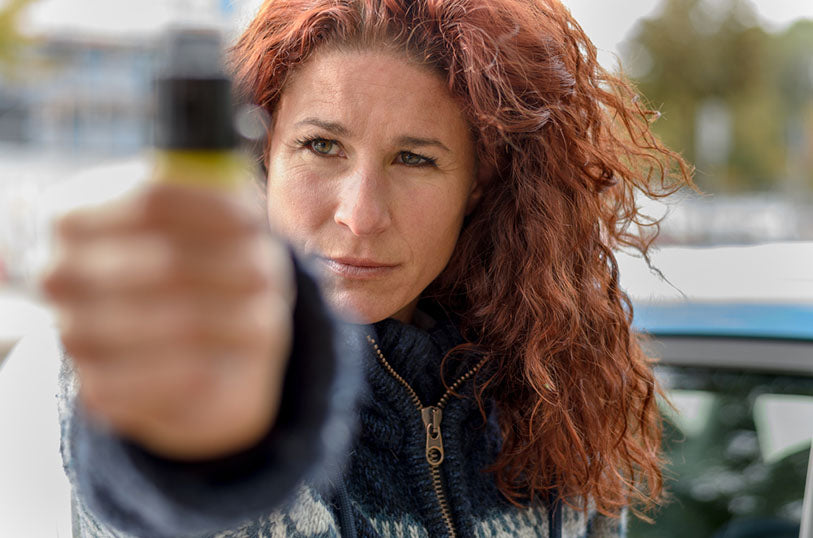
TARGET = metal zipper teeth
x,y
433,467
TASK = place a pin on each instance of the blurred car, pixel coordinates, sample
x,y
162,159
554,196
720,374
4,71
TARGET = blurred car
x,y
737,364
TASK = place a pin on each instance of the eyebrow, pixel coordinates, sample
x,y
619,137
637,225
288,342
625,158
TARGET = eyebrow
x,y
330,126
340,130
414,141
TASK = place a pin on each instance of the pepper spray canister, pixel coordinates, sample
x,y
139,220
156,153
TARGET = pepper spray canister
x,y
195,139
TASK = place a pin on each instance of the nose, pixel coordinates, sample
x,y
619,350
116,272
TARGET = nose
x,y
363,205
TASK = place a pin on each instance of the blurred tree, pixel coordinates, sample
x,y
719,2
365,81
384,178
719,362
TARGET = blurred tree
x,y
733,96
795,76
10,36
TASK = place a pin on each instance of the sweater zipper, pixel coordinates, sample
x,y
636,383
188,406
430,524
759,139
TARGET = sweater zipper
x,y
432,417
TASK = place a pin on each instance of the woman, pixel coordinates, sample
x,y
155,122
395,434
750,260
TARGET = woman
x,y
459,171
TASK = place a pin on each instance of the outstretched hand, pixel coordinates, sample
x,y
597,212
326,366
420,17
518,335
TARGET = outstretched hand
x,y
176,308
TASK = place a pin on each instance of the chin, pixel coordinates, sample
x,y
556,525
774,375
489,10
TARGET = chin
x,y
355,310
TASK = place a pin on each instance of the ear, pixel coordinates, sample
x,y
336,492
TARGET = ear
x,y
483,178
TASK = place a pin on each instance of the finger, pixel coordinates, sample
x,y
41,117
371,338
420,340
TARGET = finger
x,y
125,393
137,331
180,390
105,265
150,266
184,209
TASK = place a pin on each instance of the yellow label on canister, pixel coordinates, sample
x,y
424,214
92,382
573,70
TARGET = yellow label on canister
x,y
205,168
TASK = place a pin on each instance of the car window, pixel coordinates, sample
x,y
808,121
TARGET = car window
x,y
738,445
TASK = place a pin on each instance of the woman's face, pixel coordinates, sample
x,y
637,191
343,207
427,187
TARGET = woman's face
x,y
371,170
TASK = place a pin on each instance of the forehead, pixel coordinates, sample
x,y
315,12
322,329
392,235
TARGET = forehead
x,y
371,89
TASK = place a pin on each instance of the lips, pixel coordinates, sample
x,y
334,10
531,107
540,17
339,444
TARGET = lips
x,y
357,268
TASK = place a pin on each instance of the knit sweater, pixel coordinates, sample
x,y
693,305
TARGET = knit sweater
x,y
285,485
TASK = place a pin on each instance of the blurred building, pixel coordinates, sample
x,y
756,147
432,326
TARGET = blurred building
x,y
736,219
82,86
79,96
82,92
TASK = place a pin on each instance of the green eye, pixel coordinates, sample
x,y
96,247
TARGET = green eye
x,y
323,147
412,159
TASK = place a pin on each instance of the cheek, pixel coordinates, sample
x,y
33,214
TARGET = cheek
x,y
297,206
435,221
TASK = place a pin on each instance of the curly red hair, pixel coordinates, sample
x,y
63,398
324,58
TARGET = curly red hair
x,y
533,276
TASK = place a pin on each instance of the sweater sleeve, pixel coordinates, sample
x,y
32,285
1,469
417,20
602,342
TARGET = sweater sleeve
x,y
135,492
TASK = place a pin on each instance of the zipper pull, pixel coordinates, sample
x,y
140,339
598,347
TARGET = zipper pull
x,y
434,442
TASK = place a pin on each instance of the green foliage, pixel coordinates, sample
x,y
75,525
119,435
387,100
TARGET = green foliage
x,y
10,36
696,52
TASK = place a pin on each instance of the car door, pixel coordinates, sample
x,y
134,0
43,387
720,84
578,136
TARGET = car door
x,y
737,433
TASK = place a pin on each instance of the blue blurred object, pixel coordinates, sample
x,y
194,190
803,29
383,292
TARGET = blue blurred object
x,y
746,320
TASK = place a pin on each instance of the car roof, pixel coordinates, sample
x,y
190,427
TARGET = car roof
x,y
770,272
735,291
735,320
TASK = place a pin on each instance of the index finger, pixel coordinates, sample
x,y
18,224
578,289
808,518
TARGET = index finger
x,y
174,208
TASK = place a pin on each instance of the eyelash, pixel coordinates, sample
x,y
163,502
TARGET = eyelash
x,y
307,142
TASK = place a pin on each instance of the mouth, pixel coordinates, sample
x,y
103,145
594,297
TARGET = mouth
x,y
357,268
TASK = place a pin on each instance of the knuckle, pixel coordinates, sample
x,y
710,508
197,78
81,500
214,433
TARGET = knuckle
x,y
67,226
255,273
271,264
174,275
276,309
191,329
240,216
175,269
62,275
284,279
266,321
55,280
195,382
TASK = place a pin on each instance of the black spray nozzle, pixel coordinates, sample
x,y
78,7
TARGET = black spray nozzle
x,y
194,109
192,52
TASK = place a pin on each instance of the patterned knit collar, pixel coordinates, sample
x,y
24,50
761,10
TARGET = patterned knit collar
x,y
416,353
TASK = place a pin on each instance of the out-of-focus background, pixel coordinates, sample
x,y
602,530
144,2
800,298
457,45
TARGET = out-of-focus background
x,y
733,80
